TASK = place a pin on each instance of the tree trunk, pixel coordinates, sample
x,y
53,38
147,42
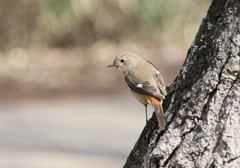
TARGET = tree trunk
x,y
202,106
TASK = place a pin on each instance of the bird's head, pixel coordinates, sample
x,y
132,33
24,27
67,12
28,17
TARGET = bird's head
x,y
125,61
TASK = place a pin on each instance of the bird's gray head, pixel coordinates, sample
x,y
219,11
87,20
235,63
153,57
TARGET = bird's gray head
x,y
125,61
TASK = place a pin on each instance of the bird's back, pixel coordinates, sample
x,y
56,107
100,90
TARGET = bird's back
x,y
142,72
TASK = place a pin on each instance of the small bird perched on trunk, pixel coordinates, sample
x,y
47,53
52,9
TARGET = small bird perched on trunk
x,y
145,82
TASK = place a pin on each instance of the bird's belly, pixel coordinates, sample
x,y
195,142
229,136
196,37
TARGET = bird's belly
x,y
141,98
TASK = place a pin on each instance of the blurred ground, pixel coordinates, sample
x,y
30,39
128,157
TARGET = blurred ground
x,y
69,132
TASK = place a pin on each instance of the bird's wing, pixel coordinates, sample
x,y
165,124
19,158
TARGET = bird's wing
x,y
145,88
160,83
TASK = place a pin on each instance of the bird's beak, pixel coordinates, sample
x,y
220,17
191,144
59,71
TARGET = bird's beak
x,y
111,65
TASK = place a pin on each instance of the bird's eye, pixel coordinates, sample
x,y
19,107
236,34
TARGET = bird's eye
x,y
122,60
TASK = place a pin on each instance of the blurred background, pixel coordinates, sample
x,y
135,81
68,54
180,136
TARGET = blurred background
x,y
59,104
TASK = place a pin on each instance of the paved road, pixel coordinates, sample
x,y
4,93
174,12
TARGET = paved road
x,y
94,132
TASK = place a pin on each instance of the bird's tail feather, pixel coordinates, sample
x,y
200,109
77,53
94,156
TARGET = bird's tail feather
x,y
157,106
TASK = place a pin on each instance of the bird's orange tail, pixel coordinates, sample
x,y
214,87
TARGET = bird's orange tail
x,y
157,106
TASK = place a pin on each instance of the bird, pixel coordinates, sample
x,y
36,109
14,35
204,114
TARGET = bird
x,y
145,82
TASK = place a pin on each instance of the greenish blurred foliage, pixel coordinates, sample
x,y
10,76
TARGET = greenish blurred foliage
x,y
65,45
67,23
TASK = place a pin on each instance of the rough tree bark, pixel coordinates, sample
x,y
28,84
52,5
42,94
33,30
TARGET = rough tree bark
x,y
202,106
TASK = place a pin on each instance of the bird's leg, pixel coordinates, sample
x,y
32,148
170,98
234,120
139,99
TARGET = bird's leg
x,y
146,113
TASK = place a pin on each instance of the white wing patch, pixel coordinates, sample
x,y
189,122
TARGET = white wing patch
x,y
139,85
